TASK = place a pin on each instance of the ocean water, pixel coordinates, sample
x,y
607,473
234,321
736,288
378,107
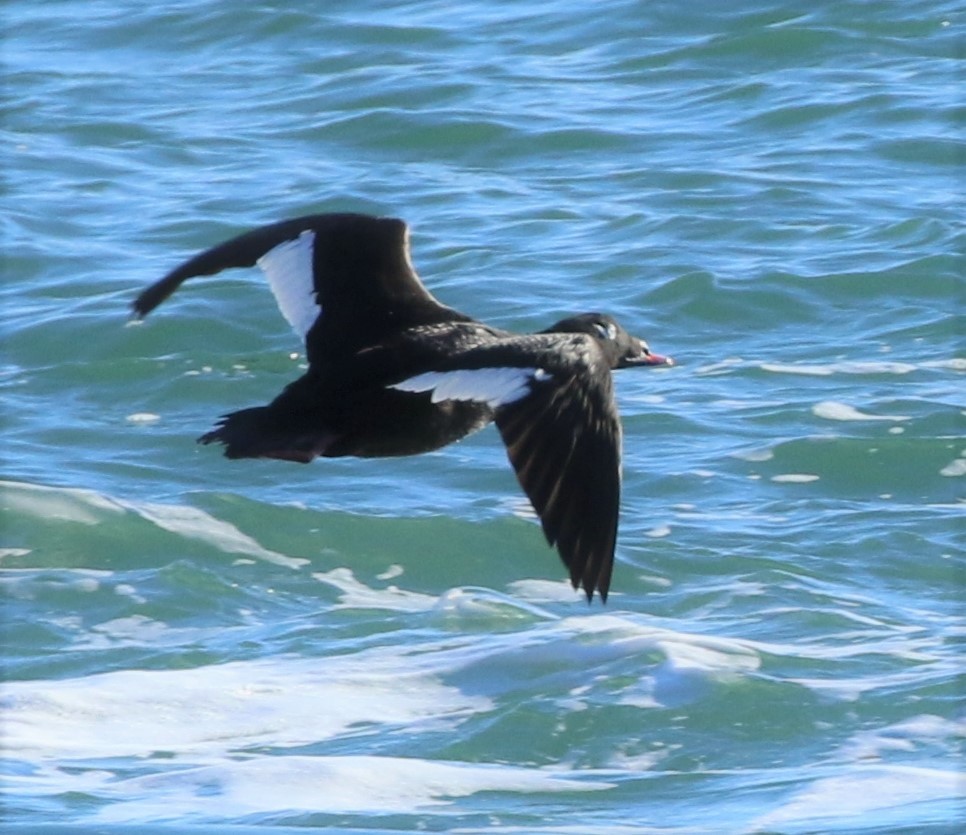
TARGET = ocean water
x,y
770,192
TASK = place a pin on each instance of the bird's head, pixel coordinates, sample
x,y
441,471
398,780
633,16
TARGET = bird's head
x,y
620,348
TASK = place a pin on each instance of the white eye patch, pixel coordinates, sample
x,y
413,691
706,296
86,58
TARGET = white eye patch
x,y
493,386
605,331
288,268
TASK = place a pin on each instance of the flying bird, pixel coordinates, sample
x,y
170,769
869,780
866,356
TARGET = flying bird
x,y
391,371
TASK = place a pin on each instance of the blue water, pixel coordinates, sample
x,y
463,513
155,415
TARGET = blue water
x,y
769,192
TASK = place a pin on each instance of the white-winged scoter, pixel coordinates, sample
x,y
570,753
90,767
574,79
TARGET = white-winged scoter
x,y
394,372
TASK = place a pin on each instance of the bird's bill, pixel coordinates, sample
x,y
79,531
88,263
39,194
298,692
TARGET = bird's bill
x,y
653,359
644,358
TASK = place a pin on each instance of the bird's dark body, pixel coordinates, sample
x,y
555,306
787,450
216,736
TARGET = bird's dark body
x,y
359,414
393,372
366,423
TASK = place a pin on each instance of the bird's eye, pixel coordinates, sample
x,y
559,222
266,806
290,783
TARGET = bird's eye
x,y
605,330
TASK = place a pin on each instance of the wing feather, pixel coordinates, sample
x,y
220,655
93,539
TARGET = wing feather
x,y
493,386
555,410
563,441
288,268
355,268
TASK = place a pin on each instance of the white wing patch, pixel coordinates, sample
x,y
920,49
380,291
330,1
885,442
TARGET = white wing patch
x,y
493,386
288,268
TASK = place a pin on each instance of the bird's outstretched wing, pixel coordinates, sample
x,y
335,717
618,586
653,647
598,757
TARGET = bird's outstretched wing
x,y
558,419
564,443
341,280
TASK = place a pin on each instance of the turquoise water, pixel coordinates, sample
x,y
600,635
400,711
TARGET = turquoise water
x,y
769,192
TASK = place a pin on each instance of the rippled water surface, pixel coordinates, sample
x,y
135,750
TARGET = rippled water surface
x,y
769,192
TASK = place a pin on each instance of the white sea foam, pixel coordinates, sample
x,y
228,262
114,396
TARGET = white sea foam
x,y
545,591
954,469
29,583
323,784
906,735
658,532
862,790
844,367
755,455
833,410
952,364
90,508
222,708
214,710
357,595
13,552
721,367
66,504
193,523
216,721
802,368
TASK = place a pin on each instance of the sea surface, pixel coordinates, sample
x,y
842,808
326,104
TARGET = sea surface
x,y
769,192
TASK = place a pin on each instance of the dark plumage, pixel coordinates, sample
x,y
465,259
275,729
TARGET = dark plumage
x,y
394,372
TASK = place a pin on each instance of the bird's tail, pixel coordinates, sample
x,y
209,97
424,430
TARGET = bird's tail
x,y
269,432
